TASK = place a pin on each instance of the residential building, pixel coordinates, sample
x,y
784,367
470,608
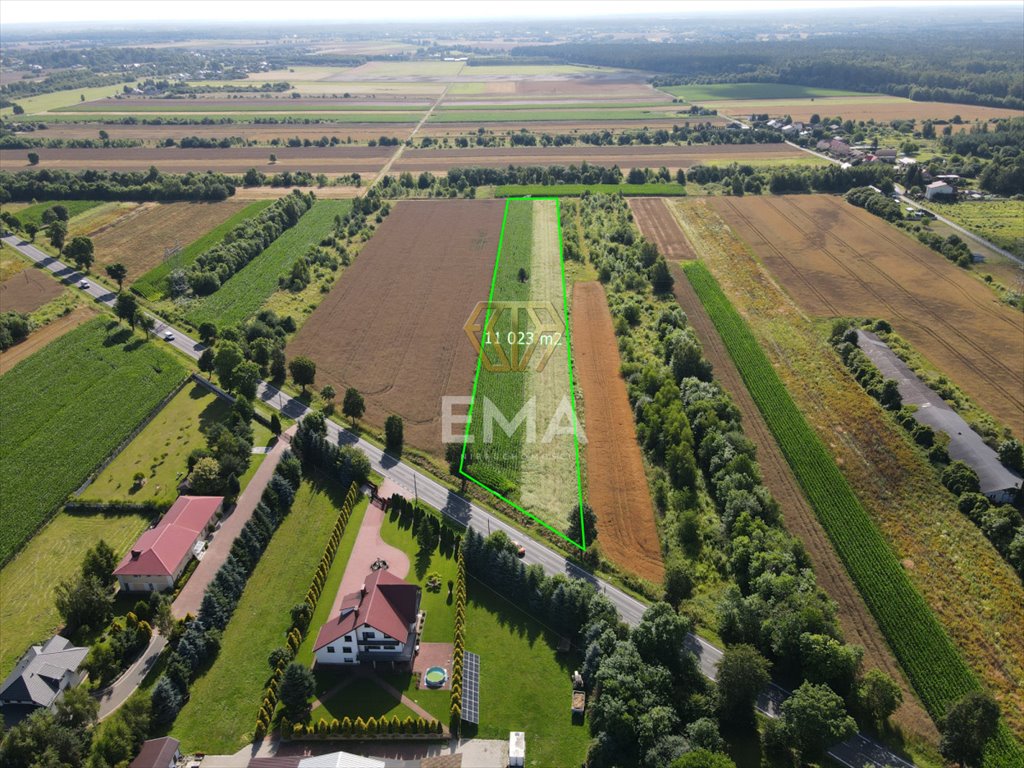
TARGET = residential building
x,y
160,555
157,753
839,148
379,623
42,676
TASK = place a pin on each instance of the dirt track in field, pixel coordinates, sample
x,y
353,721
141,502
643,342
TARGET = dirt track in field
x,y
858,625
28,290
838,260
616,483
658,225
330,160
40,338
140,239
392,327
672,157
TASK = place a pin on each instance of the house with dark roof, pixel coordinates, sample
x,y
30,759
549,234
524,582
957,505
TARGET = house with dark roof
x,y
160,555
379,623
42,675
157,753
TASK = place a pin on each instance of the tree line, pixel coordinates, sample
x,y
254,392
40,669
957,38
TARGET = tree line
x,y
114,185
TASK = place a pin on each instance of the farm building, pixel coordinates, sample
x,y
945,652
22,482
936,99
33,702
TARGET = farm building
x,y
160,555
157,753
839,148
939,189
41,677
378,623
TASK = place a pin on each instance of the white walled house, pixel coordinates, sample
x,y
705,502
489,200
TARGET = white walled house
x,y
938,189
376,624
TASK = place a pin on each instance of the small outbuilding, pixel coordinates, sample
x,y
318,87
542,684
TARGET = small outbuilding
x,y
939,189
158,753
516,749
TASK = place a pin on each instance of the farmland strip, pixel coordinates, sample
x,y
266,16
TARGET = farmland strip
x,y
925,651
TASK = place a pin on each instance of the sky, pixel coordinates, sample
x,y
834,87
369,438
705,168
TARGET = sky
x,y
48,11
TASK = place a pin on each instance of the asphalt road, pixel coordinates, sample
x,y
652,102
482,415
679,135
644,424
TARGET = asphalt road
x,y
856,752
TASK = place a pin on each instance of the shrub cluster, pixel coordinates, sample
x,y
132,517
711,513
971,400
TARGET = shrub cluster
x,y
200,642
875,202
14,327
301,615
312,447
245,242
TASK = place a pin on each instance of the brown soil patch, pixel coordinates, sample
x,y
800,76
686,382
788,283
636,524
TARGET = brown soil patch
x,y
862,109
838,260
858,625
28,290
40,338
392,326
332,160
322,193
249,131
658,224
616,482
140,238
671,157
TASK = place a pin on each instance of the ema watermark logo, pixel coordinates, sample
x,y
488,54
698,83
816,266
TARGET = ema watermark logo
x,y
515,335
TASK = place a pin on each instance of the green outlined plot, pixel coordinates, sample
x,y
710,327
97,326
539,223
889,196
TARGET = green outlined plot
x,y
521,442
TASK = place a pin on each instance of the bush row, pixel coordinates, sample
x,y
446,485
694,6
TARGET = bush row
x,y
302,613
346,728
200,642
245,242
311,445
460,641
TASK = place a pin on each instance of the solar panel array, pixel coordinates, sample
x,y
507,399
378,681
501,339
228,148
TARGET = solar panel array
x,y
471,688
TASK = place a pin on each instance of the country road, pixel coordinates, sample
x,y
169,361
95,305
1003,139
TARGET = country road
x,y
857,752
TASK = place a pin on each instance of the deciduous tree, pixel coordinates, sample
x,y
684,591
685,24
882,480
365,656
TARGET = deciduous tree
x,y
80,251
57,231
742,675
967,728
117,272
303,371
353,405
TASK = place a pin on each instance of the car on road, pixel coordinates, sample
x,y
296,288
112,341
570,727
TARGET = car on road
x,y
168,336
520,549
84,284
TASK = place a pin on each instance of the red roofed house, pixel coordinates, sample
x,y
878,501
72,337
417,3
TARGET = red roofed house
x,y
160,555
378,623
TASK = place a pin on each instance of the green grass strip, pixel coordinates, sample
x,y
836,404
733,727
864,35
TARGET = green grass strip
x,y
246,291
153,284
33,214
64,409
575,190
931,660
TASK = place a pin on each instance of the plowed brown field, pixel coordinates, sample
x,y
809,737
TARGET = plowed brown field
x,y
331,160
392,327
249,131
140,239
658,225
625,157
27,291
859,626
838,260
616,483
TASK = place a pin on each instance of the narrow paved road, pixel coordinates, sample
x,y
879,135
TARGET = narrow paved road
x,y
856,752
118,693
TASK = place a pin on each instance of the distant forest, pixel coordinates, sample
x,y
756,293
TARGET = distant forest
x,y
971,64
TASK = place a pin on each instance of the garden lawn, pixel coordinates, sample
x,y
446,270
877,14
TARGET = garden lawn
x,y
524,684
64,409
34,213
221,713
152,285
160,451
246,291
27,611
361,697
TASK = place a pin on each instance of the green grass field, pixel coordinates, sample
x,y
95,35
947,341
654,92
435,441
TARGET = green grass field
x,y
58,99
751,91
575,190
27,611
558,107
33,214
524,683
999,221
115,117
529,70
361,697
160,451
221,713
589,114
64,409
191,106
931,660
246,291
153,285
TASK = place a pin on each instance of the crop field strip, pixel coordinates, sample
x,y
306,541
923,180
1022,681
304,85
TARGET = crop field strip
x,y
64,409
244,293
152,285
936,326
658,224
531,473
925,651
392,326
28,290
